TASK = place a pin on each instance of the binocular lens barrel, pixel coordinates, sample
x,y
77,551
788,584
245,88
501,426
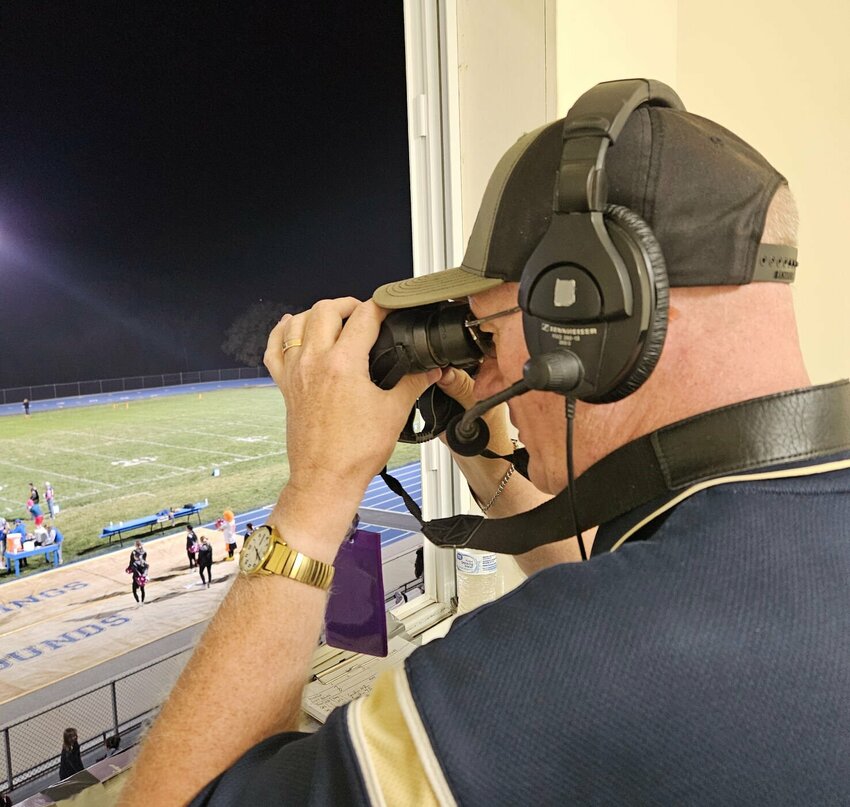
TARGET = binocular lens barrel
x,y
418,339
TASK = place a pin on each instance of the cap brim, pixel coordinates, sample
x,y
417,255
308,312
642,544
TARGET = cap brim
x,y
451,284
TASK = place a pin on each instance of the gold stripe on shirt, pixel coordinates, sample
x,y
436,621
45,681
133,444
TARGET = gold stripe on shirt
x,y
395,755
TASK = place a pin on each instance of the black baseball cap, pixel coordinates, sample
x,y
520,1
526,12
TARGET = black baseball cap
x,y
703,191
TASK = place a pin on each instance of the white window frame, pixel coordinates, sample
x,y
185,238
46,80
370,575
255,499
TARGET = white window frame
x,y
437,236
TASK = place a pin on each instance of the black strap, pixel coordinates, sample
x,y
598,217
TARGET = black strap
x,y
773,430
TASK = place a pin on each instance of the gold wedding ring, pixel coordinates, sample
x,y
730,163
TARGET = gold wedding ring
x,y
292,343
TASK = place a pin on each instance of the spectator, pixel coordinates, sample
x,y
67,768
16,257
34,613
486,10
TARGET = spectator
x,y
5,799
139,569
137,553
57,538
70,762
419,564
205,559
112,745
49,496
15,539
26,404
34,493
40,535
4,528
34,509
249,528
192,546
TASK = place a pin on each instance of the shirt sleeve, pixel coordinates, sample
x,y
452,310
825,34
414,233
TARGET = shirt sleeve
x,y
292,769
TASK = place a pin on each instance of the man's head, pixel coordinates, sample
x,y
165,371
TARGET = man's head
x,y
705,195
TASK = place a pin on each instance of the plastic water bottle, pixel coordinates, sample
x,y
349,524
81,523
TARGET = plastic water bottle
x,y
476,578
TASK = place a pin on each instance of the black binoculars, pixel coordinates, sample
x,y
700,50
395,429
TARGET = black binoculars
x,y
414,340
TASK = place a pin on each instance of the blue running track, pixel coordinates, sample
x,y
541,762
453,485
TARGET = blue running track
x,y
378,496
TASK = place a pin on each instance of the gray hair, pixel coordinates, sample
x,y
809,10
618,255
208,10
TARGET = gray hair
x,y
782,220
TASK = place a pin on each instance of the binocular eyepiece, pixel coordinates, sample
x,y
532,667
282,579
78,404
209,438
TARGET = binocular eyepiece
x,y
414,340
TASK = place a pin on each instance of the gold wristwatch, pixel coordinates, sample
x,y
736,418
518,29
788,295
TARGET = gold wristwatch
x,y
266,552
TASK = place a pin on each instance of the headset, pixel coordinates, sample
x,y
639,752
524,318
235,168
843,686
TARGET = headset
x,y
594,292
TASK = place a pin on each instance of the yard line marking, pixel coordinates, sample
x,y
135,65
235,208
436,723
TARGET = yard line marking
x,y
137,441
203,432
49,472
113,458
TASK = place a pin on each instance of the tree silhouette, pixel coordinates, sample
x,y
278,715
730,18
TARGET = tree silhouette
x,y
245,339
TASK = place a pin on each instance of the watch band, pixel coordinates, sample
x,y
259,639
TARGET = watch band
x,y
287,562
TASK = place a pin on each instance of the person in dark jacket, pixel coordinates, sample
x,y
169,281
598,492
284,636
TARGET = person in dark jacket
x,y
205,560
139,569
192,546
70,762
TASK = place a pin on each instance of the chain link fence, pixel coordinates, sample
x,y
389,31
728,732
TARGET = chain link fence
x,y
124,705
102,386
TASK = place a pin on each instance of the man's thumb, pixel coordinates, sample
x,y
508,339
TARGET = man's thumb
x,y
416,384
458,385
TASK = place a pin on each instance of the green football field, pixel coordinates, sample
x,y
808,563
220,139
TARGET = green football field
x,y
115,462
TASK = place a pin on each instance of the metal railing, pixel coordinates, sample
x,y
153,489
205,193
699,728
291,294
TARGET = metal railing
x,y
101,386
121,706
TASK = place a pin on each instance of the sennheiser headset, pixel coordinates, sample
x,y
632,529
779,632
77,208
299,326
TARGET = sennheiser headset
x,y
594,292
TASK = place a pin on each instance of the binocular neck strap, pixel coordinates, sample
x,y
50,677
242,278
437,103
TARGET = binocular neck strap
x,y
774,430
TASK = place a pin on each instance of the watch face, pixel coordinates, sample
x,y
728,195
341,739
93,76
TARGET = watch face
x,y
255,550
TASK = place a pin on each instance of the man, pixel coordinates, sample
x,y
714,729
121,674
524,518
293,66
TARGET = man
x,y
56,537
705,661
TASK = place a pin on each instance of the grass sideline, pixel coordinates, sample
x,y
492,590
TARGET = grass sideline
x,y
115,462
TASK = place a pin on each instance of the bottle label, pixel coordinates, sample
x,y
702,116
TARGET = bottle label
x,y
475,563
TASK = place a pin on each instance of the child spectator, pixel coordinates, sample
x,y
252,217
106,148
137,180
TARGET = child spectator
x,y
70,761
192,546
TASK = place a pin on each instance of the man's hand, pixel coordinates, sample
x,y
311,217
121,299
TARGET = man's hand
x,y
341,428
458,385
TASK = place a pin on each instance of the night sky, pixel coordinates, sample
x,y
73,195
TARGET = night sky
x,y
164,165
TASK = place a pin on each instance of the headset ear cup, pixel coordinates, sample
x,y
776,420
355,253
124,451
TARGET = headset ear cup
x,y
656,269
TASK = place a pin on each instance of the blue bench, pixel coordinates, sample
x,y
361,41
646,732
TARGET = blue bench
x,y
157,521
46,551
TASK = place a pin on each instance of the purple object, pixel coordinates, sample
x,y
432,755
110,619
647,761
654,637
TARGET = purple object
x,y
356,617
